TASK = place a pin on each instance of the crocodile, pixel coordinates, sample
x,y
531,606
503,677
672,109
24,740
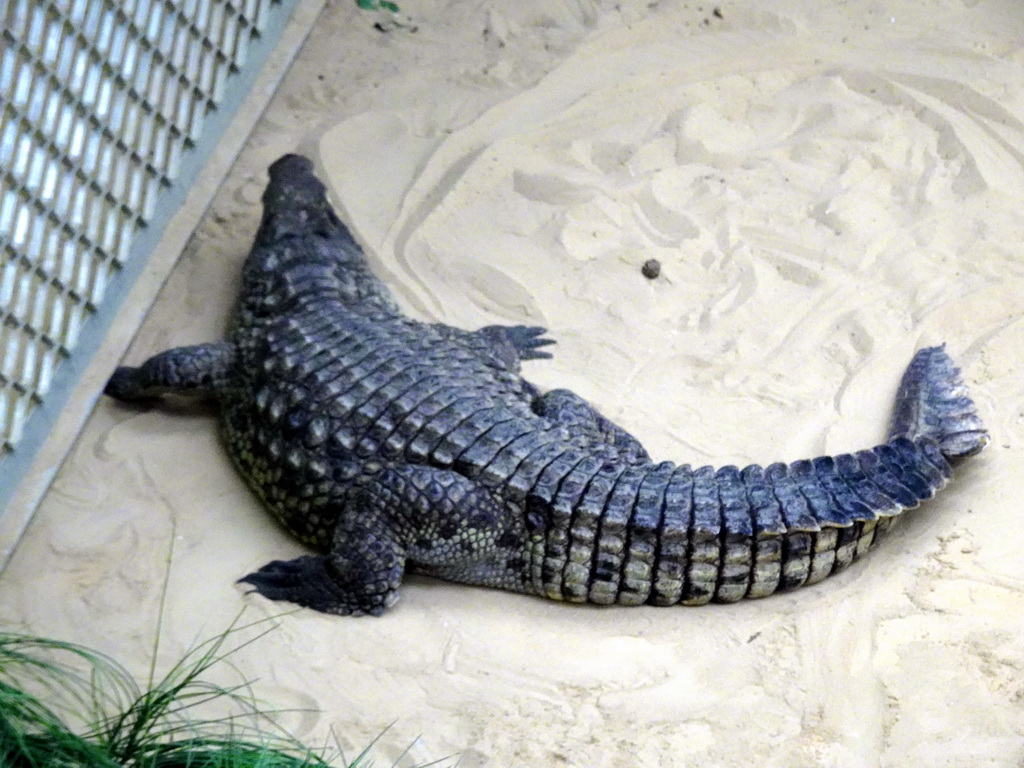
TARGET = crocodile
x,y
386,444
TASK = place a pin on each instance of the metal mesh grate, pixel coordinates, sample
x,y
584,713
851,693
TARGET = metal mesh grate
x,y
98,101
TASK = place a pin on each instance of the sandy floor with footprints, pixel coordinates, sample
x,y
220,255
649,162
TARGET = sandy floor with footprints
x,y
827,187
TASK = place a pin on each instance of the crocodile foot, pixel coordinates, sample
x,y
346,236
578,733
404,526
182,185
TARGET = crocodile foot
x,y
524,339
527,338
310,581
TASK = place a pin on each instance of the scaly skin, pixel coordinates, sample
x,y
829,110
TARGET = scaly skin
x,y
385,444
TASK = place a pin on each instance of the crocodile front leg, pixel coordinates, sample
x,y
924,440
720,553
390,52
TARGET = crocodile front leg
x,y
505,346
526,340
432,520
200,370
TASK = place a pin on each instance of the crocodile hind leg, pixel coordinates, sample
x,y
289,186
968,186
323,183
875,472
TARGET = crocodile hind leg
x,y
434,520
565,407
200,370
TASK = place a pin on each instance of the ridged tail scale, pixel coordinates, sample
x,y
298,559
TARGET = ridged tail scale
x,y
673,534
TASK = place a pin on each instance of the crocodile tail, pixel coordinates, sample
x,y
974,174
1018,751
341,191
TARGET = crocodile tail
x,y
933,402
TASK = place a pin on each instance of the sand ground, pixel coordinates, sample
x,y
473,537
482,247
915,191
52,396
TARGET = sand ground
x,y
827,187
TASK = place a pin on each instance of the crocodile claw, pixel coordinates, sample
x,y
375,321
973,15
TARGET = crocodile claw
x,y
526,339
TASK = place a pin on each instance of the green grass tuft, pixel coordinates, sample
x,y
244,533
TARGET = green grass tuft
x,y
66,706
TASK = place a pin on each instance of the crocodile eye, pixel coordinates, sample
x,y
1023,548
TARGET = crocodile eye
x,y
536,514
534,522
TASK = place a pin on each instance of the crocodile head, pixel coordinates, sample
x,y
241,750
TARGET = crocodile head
x,y
295,201
303,250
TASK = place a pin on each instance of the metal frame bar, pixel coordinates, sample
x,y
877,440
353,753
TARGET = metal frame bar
x,y
108,109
